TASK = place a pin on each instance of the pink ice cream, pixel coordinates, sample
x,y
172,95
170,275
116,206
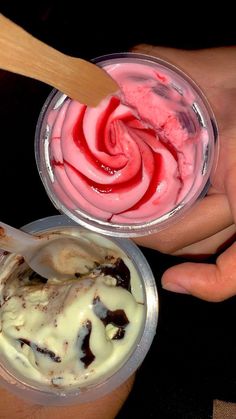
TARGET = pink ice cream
x,y
134,157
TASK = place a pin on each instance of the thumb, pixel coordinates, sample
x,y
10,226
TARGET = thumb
x,y
206,281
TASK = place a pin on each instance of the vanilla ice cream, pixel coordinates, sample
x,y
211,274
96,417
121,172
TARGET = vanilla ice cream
x,y
71,332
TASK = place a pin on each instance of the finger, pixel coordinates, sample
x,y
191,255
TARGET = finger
x,y
206,281
179,56
211,245
207,218
196,63
185,59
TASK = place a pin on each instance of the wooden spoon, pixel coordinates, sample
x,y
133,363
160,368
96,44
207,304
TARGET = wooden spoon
x,y
81,80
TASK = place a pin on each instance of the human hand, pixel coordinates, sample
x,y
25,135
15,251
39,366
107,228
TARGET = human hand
x,y
212,222
105,407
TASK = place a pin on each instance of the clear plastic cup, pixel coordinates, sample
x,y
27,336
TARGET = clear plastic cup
x,y
32,391
177,174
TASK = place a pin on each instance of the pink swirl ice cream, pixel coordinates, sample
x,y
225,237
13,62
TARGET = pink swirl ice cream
x,y
134,157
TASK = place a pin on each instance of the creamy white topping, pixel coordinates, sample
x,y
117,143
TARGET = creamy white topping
x,y
71,332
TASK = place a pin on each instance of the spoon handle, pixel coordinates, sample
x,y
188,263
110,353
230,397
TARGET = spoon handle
x,y
14,240
79,79
21,53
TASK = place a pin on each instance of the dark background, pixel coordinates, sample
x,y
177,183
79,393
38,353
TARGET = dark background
x,y
193,358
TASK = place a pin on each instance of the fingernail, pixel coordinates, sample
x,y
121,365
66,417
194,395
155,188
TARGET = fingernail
x,y
170,286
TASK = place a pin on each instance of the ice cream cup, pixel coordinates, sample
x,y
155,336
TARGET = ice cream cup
x,y
136,163
45,394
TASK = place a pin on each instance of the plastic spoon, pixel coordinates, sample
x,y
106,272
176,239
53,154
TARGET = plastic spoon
x,y
53,254
79,79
